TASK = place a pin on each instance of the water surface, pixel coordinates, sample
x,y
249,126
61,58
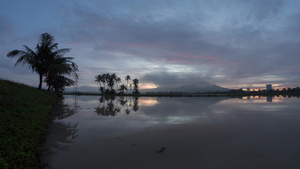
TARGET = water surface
x,y
175,133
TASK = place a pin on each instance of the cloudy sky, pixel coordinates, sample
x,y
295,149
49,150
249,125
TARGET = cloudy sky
x,y
231,43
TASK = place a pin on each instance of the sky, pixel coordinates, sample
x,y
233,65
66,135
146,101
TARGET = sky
x,y
230,43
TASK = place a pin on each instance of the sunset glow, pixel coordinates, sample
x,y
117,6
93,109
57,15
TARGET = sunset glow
x,y
148,86
147,102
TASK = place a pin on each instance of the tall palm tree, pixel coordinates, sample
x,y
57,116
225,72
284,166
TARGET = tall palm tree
x,y
41,60
127,78
57,65
98,79
111,82
135,86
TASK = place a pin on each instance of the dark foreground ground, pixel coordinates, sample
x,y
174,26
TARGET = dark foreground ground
x,y
24,113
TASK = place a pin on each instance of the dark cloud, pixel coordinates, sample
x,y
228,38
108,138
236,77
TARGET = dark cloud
x,y
171,79
227,42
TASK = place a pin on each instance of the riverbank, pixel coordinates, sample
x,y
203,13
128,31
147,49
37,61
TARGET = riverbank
x,y
24,113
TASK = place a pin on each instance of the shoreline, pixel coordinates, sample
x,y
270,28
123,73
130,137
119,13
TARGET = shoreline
x,y
185,95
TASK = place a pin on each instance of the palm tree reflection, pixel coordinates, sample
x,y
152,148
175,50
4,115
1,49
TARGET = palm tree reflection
x,y
110,106
61,134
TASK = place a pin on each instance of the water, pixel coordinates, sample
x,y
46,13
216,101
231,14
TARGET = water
x,y
175,133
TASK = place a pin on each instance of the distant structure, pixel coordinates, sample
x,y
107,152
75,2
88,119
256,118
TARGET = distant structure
x,y
248,89
269,86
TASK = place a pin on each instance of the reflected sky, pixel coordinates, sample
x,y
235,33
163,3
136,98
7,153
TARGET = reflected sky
x,y
198,132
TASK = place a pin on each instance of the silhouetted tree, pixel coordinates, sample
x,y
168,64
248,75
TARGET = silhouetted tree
x,y
135,86
58,67
127,78
122,89
111,79
35,59
118,80
111,82
101,79
44,61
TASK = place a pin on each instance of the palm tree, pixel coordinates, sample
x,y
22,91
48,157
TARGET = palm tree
x,y
34,59
99,80
135,86
127,78
110,80
122,89
118,80
59,82
59,67
45,60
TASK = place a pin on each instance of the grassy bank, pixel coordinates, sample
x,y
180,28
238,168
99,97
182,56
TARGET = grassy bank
x,y
24,113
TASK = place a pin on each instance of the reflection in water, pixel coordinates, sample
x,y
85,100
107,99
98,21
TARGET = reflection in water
x,y
110,106
67,132
263,99
181,132
269,98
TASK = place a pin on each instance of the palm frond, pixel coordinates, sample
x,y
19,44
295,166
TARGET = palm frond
x,y
61,52
29,51
15,53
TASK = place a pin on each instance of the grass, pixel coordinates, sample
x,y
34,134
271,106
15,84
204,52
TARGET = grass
x,y
24,113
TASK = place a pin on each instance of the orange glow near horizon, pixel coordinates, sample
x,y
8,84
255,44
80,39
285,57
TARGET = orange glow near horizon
x,y
148,102
256,87
148,86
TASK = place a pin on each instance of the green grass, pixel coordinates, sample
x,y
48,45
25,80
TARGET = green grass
x,y
24,113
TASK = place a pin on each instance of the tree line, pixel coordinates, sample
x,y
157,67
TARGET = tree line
x,y
108,82
48,62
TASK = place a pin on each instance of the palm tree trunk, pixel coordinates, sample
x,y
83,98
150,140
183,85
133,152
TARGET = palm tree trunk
x,y
41,81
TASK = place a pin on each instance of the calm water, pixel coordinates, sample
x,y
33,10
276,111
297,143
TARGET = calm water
x,y
175,133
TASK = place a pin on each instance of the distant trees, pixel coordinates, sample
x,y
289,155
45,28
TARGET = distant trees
x,y
48,61
108,81
127,78
283,91
135,86
122,89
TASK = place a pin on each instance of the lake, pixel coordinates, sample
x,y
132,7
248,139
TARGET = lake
x,y
174,133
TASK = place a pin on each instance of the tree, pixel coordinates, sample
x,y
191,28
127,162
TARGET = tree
x,y
59,67
127,78
47,60
36,60
135,86
111,82
100,79
122,89
118,80
111,79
